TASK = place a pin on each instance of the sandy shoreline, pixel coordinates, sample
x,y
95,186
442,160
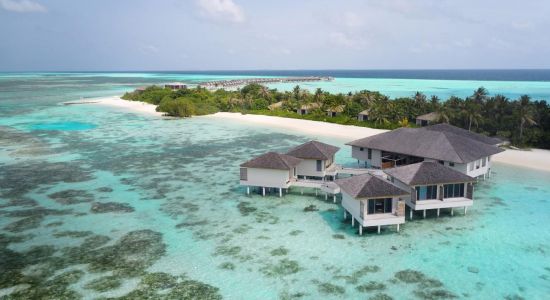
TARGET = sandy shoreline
x,y
116,101
536,158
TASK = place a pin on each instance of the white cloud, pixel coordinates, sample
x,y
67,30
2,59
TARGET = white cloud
x,y
22,6
221,10
353,20
148,49
347,41
522,25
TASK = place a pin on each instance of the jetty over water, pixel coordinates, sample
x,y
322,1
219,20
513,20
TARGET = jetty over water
x,y
233,83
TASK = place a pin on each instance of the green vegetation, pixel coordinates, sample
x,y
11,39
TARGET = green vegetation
x,y
522,121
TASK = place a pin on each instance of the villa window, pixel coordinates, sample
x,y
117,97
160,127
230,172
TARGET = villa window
x,y
361,149
478,163
244,174
379,206
294,172
319,165
484,162
441,162
453,190
451,164
471,166
369,153
426,192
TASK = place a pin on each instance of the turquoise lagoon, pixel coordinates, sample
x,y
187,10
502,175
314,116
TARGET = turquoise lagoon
x,y
134,195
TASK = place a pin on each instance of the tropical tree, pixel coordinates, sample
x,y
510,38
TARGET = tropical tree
x,y
471,111
480,95
525,113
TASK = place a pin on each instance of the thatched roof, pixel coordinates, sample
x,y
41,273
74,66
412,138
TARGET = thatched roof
x,y
276,105
369,186
463,132
424,142
431,117
272,160
310,106
366,112
425,173
337,109
314,150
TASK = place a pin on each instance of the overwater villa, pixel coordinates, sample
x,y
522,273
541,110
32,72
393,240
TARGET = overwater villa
x,y
427,119
270,170
433,167
433,186
307,108
317,160
464,151
335,111
372,201
364,115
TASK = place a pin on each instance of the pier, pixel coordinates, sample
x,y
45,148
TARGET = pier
x,y
233,83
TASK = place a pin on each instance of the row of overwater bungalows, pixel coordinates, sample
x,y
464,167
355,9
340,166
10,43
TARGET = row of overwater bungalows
x,y
428,168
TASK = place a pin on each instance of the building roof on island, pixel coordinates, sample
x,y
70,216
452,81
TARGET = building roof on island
x,y
313,105
273,160
433,116
439,143
314,150
366,112
443,127
369,186
425,173
337,109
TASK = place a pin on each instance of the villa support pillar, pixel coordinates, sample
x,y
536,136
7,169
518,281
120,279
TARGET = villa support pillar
x,y
397,227
280,192
438,212
352,221
248,190
411,214
345,214
465,209
302,191
452,211
378,229
424,214
360,229
334,198
326,196
263,191
315,192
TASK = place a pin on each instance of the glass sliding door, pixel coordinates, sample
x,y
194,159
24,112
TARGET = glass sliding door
x,y
380,206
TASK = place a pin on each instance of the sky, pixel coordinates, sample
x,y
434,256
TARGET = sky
x,y
128,35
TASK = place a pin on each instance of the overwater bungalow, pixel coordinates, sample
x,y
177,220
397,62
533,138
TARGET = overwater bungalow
x,y
372,201
464,151
427,119
364,115
307,108
433,186
335,111
174,86
270,170
317,160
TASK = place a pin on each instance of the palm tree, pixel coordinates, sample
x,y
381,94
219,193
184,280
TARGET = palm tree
x,y
444,113
265,93
470,110
480,95
525,113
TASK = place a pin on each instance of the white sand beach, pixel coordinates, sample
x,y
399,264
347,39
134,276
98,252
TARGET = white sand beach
x,y
116,101
536,158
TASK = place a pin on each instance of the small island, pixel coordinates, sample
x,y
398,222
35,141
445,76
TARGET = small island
x,y
522,122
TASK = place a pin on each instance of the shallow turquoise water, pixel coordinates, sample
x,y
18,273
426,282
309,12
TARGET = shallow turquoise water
x,y
180,179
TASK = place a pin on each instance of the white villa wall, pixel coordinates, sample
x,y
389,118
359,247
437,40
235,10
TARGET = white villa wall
x,y
267,178
362,156
351,205
482,169
308,167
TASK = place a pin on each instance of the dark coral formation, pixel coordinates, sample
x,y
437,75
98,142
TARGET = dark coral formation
x,y
282,268
110,207
69,197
